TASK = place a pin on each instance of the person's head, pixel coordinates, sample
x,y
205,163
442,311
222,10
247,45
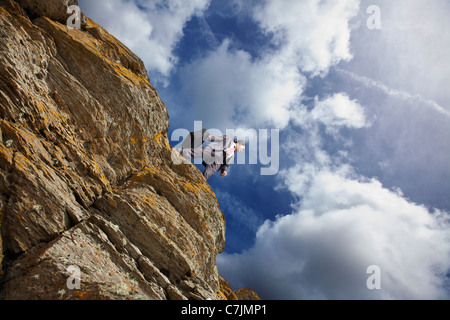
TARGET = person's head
x,y
240,146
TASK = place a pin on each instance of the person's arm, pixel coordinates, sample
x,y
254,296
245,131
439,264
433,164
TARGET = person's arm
x,y
223,170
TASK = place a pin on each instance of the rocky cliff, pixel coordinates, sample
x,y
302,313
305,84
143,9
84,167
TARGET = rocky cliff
x,y
89,195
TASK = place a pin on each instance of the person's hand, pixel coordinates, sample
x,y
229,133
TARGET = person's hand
x,y
223,174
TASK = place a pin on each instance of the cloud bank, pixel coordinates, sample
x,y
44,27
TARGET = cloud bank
x,y
315,33
229,88
236,88
343,225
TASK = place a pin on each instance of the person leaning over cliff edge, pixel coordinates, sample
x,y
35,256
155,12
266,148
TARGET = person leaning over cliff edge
x,y
217,156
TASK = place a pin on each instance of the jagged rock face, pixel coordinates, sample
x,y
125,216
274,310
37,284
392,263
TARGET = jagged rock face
x,y
53,9
86,176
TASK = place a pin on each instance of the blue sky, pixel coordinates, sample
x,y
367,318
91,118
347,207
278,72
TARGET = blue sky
x,y
364,124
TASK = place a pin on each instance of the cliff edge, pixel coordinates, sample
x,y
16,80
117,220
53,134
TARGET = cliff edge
x,y
91,204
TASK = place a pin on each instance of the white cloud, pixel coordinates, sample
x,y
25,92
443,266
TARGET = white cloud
x,y
229,88
338,110
342,226
151,29
334,111
315,32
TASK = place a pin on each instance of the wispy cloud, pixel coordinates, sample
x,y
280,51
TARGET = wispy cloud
x,y
207,32
242,215
407,96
